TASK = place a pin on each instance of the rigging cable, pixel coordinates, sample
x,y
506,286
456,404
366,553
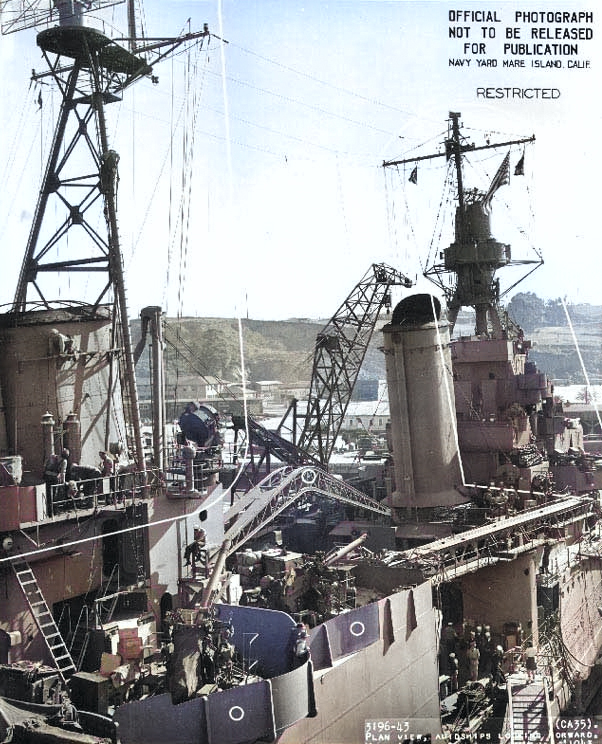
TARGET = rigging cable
x,y
342,201
230,199
25,115
318,109
447,374
581,361
353,93
445,202
170,227
187,157
188,141
241,467
407,212
390,215
173,125
169,211
189,112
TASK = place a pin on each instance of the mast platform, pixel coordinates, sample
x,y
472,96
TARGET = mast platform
x,y
78,42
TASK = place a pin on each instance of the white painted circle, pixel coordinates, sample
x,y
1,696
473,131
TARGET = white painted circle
x,y
308,476
359,630
236,713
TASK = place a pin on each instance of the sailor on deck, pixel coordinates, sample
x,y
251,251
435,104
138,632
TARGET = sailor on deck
x,y
300,646
530,657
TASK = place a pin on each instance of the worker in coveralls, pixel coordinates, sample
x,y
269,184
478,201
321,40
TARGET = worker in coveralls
x,y
300,646
530,662
473,655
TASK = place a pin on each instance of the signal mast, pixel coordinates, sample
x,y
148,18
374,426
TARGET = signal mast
x,y
474,257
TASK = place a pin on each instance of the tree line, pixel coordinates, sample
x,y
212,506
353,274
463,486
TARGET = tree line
x,y
531,312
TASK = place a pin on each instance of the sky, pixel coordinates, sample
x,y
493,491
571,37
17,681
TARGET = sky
x,y
251,180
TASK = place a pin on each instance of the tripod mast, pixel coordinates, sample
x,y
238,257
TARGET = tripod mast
x,y
81,177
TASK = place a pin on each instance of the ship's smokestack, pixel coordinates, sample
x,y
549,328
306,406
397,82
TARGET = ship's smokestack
x,y
421,400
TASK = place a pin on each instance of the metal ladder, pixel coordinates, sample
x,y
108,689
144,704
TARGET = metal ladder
x,y
43,617
530,711
79,639
102,614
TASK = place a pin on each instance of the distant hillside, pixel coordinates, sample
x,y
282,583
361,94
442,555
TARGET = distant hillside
x,y
554,349
283,350
552,344
554,352
210,347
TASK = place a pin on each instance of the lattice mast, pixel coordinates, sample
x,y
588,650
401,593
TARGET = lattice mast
x,y
80,181
338,355
474,256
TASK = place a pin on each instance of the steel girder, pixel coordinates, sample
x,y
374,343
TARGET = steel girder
x,y
339,352
446,559
280,490
80,181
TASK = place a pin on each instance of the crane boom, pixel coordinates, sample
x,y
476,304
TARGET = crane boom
x,y
338,355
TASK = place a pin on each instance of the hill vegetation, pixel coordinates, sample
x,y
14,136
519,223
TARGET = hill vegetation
x,y
553,344
283,350
211,348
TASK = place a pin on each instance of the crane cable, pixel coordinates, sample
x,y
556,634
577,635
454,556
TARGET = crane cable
x,y
447,374
179,228
193,91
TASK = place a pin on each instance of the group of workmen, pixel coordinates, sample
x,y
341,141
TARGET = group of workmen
x,y
505,499
470,656
70,486
216,654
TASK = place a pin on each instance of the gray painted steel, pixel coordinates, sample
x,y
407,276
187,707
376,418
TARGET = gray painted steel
x,y
241,714
264,636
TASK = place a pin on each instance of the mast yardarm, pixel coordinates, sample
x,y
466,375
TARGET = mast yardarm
x,y
474,256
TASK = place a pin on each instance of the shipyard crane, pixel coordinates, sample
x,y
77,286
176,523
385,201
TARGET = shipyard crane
x,y
90,70
339,351
338,355
282,489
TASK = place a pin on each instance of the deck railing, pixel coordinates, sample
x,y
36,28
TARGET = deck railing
x,y
95,493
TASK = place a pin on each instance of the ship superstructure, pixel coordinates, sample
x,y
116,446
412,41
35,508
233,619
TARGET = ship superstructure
x,y
300,608
88,520
512,559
